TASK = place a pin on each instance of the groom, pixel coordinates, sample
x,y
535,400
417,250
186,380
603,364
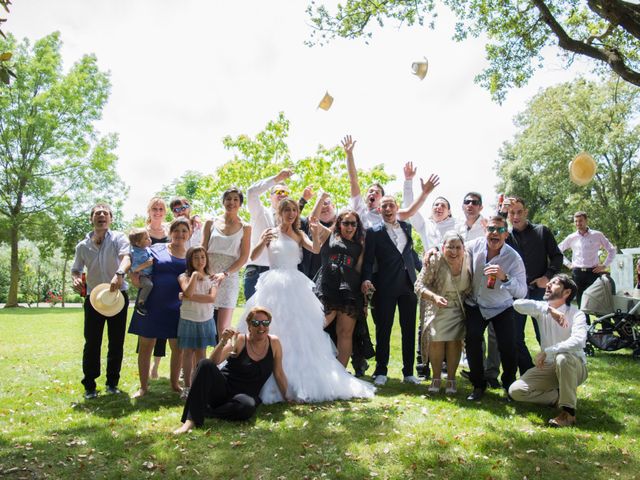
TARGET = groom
x,y
390,245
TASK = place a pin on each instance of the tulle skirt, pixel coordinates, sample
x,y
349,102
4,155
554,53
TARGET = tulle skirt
x,y
308,355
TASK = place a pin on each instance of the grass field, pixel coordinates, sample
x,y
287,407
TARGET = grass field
x,y
47,430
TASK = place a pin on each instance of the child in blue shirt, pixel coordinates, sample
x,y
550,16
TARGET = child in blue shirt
x,y
142,263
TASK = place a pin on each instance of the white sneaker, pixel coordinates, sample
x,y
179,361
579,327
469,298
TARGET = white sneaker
x,y
380,380
412,379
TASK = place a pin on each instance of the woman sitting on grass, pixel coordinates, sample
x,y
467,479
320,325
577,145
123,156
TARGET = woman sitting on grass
x,y
232,393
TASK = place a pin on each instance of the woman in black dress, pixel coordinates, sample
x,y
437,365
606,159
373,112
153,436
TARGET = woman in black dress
x,y
232,393
338,280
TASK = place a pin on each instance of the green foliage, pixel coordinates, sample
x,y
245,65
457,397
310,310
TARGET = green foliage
x,y
53,163
264,156
517,32
560,122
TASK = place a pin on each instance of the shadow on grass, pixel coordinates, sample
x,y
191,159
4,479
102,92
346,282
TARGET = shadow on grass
x,y
158,397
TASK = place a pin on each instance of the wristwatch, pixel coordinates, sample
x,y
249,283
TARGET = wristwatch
x,y
506,278
120,273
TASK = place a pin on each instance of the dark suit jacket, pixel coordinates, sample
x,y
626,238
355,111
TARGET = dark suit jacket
x,y
396,272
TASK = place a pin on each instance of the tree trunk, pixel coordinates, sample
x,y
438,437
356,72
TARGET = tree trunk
x,y
12,299
64,279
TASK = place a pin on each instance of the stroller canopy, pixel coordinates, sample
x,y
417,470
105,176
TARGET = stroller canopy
x,y
598,298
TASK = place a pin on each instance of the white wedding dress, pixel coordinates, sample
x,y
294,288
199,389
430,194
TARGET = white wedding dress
x,y
308,356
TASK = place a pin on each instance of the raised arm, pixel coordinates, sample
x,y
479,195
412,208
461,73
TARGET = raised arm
x,y
265,240
320,234
348,144
426,188
223,349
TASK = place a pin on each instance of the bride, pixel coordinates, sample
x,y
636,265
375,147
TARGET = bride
x,y
308,356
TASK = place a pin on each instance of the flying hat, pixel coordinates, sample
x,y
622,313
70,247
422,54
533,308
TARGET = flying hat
x,y
582,169
420,68
326,102
104,301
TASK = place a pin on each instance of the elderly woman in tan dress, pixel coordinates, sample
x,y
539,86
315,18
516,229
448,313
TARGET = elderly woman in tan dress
x,y
442,287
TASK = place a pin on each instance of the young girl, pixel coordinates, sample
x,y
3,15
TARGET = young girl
x,y
196,329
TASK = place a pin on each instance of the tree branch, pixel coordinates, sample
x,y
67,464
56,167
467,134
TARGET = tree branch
x,y
610,56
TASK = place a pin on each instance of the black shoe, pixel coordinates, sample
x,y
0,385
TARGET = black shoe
x,y
507,397
493,383
140,310
476,395
113,390
465,374
422,370
90,394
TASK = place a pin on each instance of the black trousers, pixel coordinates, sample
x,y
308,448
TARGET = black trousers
x,y
524,357
93,329
584,278
503,325
210,397
383,314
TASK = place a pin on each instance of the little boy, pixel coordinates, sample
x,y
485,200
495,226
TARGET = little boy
x,y
141,262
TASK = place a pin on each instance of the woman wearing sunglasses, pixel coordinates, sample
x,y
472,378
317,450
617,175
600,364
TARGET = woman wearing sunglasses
x,y
232,392
181,207
338,283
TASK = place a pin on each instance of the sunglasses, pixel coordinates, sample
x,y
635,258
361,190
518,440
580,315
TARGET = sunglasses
x,y
181,208
257,323
493,229
348,223
472,202
281,192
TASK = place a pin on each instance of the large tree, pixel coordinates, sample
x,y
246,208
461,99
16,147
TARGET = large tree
x,y
607,31
51,156
599,118
265,155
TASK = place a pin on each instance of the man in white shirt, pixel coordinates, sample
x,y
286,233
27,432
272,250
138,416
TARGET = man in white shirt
x,y
585,245
261,219
369,208
561,365
474,224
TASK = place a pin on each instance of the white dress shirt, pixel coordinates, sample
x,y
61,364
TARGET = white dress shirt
x,y
261,216
586,249
397,235
555,339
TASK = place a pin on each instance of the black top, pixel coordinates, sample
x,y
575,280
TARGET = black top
x,y
311,262
539,251
164,239
245,375
338,281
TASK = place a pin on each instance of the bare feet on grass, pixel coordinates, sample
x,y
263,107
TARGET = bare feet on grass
x,y
186,427
140,393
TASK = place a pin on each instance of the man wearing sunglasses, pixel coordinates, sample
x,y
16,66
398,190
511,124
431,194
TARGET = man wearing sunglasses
x,y
498,277
542,260
474,224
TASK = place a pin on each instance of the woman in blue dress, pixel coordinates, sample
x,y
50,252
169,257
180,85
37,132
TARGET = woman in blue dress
x,y
163,304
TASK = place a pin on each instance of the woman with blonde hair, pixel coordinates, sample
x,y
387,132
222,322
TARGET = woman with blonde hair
x,y
442,286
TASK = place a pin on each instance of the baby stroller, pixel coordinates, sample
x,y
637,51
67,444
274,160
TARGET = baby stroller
x,y
610,331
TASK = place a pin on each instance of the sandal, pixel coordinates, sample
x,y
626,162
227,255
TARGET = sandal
x,y
435,385
451,387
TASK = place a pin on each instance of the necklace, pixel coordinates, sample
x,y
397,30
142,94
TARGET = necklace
x,y
255,351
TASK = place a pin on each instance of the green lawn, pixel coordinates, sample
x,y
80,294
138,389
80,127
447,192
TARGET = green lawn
x,y
48,431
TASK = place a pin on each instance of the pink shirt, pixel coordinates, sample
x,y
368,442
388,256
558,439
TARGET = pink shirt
x,y
586,248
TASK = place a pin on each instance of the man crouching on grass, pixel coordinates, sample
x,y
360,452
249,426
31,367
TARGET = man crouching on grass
x,y
561,365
